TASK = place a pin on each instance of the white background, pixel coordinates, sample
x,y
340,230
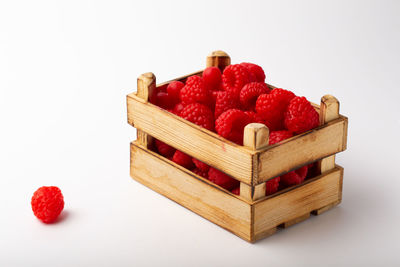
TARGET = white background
x,y
65,68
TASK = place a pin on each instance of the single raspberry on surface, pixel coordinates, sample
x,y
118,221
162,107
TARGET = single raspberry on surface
x,y
236,191
231,123
234,78
47,203
271,107
199,114
221,179
194,91
174,89
250,93
164,100
278,136
301,116
164,149
212,78
272,186
294,177
225,101
201,173
256,72
201,165
183,159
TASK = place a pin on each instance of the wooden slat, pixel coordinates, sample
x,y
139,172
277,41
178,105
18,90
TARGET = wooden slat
x,y
198,142
329,111
256,136
272,212
190,191
146,88
302,149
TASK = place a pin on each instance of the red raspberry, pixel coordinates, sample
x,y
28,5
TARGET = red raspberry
x,y
272,186
271,107
194,91
164,149
225,101
236,191
294,177
256,72
183,159
301,116
201,173
221,179
234,78
278,136
230,125
164,100
254,117
173,89
212,78
250,93
201,165
47,203
177,109
313,170
199,114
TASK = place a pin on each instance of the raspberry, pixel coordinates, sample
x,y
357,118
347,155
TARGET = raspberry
x,y
173,90
194,91
221,179
234,78
250,93
164,149
272,186
47,203
164,100
230,125
212,78
199,114
294,177
312,170
201,173
278,136
201,165
236,191
183,159
301,116
256,72
254,117
225,101
271,107
177,109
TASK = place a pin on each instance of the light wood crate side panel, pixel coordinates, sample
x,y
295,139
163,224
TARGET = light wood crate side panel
x,y
191,192
303,149
295,203
200,143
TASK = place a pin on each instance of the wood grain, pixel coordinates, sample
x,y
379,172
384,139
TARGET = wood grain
x,y
190,191
281,208
329,111
194,140
218,59
302,149
255,136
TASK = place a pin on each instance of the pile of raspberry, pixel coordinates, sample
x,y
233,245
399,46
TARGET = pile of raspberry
x,y
225,103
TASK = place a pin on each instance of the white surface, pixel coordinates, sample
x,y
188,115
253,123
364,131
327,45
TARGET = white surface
x,y
65,68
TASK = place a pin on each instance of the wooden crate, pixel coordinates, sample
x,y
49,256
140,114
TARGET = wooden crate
x,y
251,215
